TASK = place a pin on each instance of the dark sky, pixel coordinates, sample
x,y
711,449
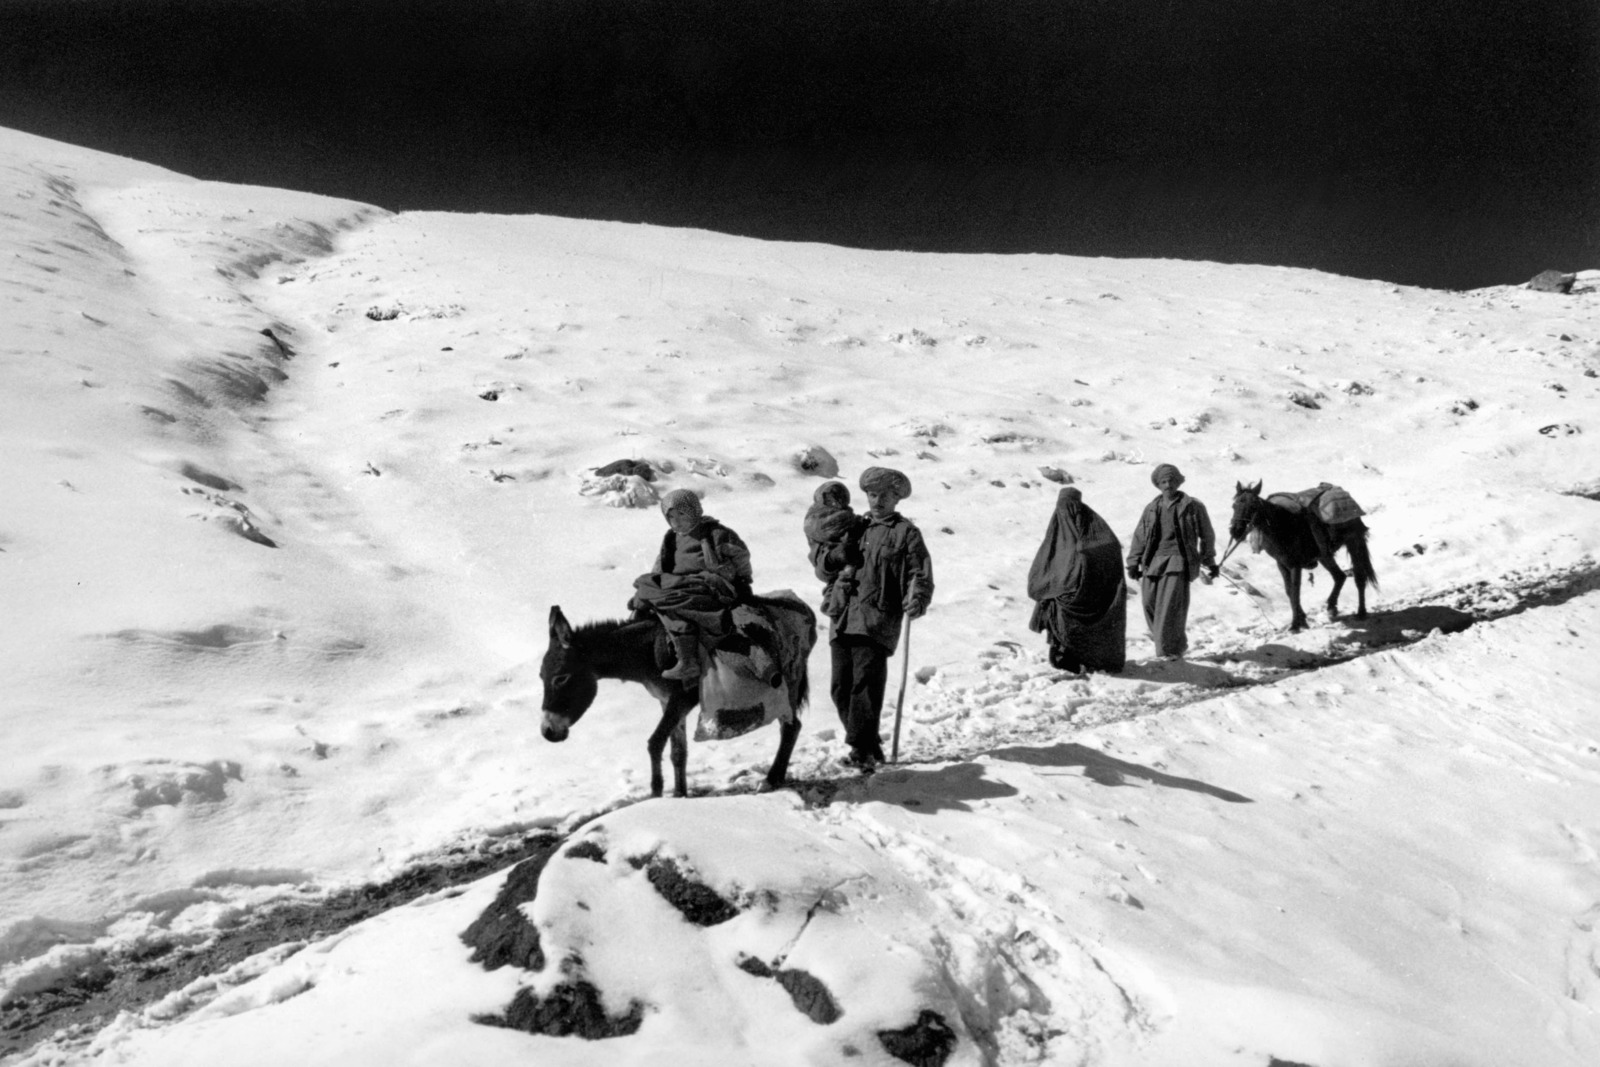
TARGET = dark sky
x,y
1452,143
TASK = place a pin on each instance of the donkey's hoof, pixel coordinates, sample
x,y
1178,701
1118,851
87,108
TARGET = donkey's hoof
x,y
769,787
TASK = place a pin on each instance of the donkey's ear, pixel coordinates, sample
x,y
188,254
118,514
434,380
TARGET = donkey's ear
x,y
560,628
1256,489
1238,487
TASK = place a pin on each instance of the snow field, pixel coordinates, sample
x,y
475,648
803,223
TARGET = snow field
x,y
276,603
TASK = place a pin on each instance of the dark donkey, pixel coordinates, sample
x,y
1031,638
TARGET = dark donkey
x,y
1289,537
626,651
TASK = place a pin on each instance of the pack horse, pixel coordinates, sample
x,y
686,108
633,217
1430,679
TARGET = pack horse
x,y
1301,530
757,674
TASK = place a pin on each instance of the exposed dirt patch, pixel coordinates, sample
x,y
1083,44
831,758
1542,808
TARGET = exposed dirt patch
x,y
83,1002
697,902
927,1042
811,997
572,1009
502,935
588,849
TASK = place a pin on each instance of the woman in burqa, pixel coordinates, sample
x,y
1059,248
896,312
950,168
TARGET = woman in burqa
x,y
1076,578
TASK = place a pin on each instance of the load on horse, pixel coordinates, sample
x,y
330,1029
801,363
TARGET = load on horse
x,y
1301,530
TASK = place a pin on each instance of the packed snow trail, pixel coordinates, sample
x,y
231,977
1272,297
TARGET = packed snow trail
x,y
1148,892
1025,982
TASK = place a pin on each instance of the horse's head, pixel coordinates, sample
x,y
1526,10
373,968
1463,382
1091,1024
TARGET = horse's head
x,y
569,680
1247,504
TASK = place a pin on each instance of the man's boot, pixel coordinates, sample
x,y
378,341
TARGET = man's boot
x,y
687,669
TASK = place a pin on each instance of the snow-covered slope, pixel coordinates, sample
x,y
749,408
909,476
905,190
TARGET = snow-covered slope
x,y
275,602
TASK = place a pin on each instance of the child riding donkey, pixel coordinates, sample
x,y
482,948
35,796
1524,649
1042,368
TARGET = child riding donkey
x,y
702,570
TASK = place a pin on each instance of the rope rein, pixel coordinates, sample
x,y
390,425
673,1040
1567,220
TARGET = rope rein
x,y
1253,535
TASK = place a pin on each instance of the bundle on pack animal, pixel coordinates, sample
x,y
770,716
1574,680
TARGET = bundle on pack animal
x,y
776,632
1301,530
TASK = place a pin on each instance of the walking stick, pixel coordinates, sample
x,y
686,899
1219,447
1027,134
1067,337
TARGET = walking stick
x,y
899,702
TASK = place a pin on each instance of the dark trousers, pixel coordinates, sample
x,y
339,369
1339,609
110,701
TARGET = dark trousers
x,y
860,669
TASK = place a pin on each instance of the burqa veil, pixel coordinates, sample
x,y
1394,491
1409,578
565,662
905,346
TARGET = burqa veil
x,y
1076,579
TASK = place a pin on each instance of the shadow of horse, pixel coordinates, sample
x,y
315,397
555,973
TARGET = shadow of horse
x,y
1403,624
1110,771
1383,629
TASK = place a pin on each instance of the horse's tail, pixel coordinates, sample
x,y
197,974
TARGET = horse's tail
x,y
1361,557
802,686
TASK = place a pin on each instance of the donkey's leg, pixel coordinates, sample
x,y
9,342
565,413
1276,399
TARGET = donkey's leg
x,y
674,709
788,733
680,756
1291,589
658,743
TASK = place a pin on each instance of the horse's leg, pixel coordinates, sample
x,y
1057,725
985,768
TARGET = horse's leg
x,y
788,733
1338,584
1291,589
1361,565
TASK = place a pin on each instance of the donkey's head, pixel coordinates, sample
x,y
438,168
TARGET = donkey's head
x,y
569,680
1247,504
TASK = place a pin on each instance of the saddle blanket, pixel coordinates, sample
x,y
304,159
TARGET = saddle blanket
x,y
757,674
1328,502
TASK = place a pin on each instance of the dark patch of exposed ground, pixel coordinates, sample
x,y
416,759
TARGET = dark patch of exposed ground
x,y
587,850
501,936
85,1001
695,900
811,996
927,1042
572,1009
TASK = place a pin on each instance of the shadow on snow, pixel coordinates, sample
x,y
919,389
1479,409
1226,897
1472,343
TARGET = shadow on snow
x,y
1108,770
